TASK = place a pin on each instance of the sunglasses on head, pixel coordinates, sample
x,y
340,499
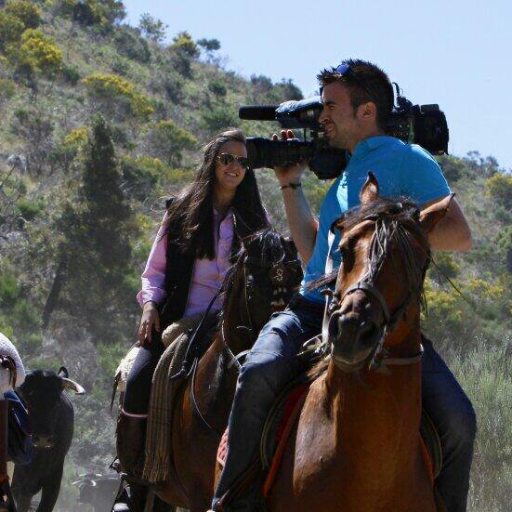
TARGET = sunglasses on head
x,y
346,70
228,159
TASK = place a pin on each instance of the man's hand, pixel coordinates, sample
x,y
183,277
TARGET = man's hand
x,y
303,226
293,174
150,318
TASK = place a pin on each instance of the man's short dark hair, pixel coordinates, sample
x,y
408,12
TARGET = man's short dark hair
x,y
373,78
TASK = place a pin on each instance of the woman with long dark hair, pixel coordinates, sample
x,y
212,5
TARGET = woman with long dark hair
x,y
186,267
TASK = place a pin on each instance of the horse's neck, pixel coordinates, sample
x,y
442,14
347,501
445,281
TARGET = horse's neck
x,y
376,415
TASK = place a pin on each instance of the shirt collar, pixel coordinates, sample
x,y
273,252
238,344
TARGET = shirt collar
x,y
367,145
229,214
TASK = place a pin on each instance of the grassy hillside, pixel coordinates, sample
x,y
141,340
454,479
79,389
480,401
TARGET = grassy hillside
x,y
63,63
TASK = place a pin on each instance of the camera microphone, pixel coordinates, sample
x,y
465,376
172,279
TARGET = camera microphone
x,y
258,112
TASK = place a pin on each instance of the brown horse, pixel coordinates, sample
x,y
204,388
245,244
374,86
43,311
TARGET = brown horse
x,y
356,445
262,281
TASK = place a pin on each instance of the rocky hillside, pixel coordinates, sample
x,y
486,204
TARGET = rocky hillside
x,y
99,122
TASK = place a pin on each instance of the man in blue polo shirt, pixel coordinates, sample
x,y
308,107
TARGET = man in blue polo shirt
x,y
358,100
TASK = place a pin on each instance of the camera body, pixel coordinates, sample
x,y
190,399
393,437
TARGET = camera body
x,y
420,124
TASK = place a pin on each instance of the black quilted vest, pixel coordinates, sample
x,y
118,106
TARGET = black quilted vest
x,y
178,274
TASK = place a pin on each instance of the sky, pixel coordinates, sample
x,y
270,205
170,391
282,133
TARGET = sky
x,y
453,53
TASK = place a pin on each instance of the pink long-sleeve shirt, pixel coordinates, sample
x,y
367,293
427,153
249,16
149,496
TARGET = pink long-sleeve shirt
x,y
207,276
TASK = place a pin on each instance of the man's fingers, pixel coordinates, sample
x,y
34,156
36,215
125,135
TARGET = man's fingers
x,y
157,323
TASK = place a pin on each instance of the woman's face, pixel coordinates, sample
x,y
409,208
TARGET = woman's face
x,y
229,176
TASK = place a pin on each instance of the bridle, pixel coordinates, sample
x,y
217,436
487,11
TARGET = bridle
x,y
279,275
386,231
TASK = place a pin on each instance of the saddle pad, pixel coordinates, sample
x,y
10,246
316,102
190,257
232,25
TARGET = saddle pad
x,y
284,414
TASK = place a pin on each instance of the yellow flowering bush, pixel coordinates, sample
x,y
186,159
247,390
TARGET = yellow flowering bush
x,y
113,87
76,137
39,52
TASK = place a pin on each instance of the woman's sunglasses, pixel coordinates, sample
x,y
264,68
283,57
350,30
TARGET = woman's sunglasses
x,y
227,159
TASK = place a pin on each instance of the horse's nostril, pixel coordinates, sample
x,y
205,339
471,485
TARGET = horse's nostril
x,y
334,325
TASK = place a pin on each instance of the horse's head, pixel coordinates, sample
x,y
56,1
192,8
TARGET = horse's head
x,y
385,255
262,281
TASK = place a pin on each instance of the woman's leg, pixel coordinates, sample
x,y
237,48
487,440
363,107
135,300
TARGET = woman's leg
x,y
131,426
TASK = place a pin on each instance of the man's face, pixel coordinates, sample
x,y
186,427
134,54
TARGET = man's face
x,y
338,117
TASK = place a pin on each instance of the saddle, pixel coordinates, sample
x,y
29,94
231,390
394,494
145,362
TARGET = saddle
x,y
279,425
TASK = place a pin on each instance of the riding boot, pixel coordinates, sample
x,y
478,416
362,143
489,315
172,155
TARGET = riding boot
x,y
131,437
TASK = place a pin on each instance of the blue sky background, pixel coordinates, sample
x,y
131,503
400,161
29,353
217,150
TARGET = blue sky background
x,y
454,53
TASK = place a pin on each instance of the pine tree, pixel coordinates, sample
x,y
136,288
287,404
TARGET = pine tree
x,y
92,278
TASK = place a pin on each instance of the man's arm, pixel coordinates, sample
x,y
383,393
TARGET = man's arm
x,y
303,226
302,223
452,233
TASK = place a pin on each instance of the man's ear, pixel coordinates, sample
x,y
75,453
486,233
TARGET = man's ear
x,y
368,111
370,190
434,213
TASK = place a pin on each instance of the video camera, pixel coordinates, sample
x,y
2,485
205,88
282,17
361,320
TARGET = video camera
x,y
420,124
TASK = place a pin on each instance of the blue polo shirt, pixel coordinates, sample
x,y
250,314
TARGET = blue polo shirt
x,y
401,170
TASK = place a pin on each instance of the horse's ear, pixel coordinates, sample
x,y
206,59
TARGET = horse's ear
x,y
370,190
290,244
432,214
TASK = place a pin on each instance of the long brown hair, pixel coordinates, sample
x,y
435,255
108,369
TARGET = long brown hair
x,y
190,215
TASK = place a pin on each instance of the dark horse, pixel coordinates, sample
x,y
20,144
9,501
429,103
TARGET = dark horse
x,y
262,281
356,445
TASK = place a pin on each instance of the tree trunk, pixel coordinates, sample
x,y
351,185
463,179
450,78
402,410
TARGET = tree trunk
x,y
58,282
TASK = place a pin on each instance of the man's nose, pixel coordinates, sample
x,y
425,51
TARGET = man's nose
x,y
322,118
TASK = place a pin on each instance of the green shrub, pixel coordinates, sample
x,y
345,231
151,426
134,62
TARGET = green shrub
x,y
168,141
499,187
453,168
70,74
11,29
504,242
445,266
131,45
9,291
25,11
28,210
219,116
7,90
103,13
167,81
218,88
140,175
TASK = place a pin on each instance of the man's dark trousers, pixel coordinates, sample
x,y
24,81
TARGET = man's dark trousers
x,y
273,362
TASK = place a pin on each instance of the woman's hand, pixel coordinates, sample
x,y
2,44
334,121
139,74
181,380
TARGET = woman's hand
x,y
150,318
293,174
